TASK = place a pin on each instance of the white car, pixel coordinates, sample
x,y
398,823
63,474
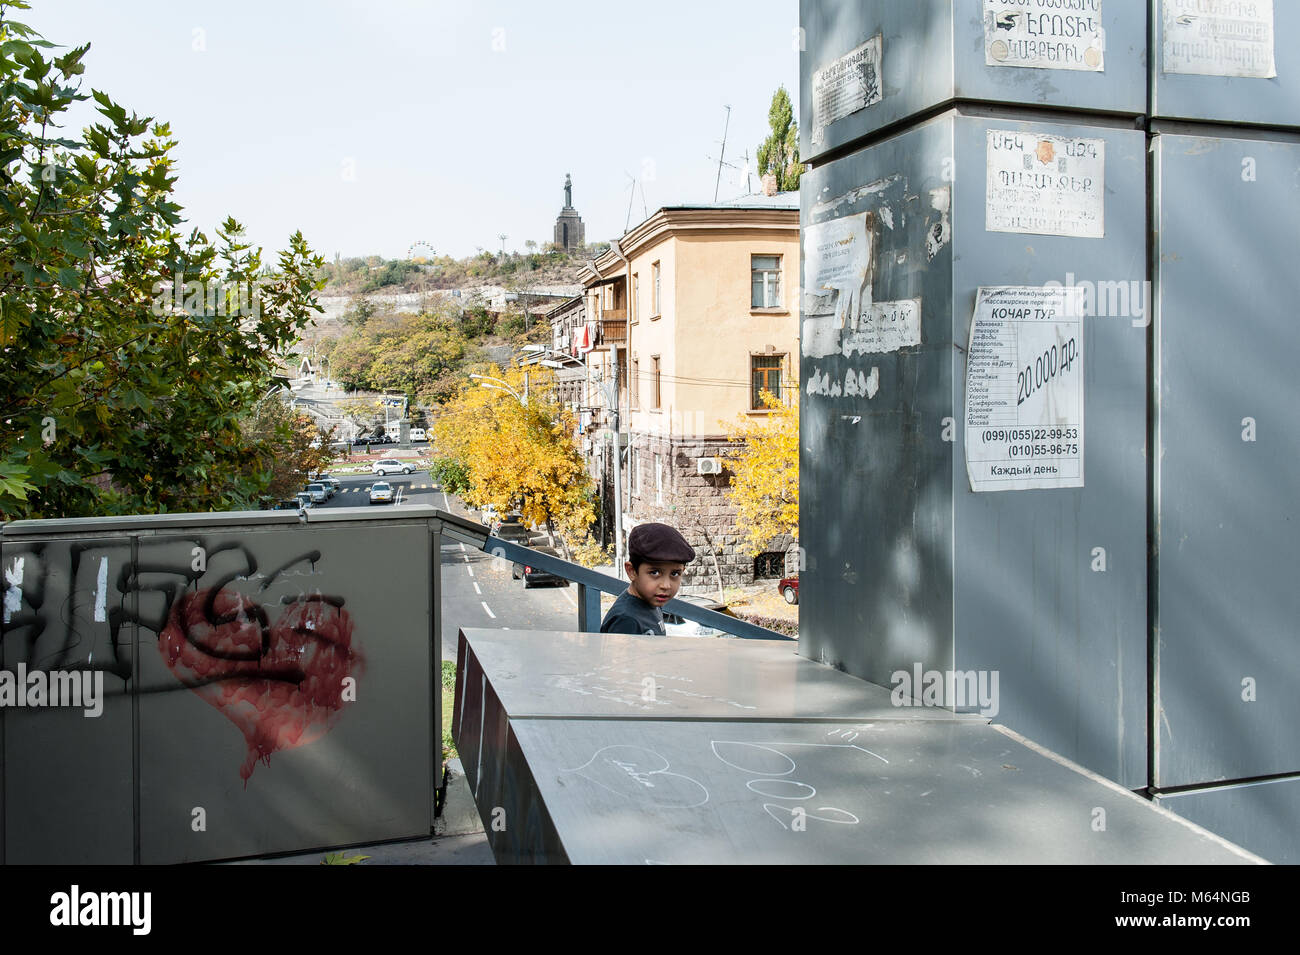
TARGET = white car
x,y
675,626
390,466
381,492
418,434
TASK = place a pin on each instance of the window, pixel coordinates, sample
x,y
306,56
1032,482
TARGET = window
x,y
654,381
765,374
765,271
656,309
769,565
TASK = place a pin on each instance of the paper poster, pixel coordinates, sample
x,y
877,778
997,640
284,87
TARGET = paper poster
x,y
884,327
836,258
1024,389
1218,37
1044,34
1047,185
849,84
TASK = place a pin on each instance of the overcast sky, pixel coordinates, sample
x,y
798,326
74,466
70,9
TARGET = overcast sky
x,y
374,124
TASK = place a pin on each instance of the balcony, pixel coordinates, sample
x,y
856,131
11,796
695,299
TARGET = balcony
x,y
613,330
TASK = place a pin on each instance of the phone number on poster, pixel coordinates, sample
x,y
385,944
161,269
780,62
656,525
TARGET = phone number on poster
x,y
1041,450
1033,434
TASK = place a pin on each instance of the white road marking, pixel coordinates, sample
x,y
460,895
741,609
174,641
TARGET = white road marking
x,y
470,569
488,609
476,589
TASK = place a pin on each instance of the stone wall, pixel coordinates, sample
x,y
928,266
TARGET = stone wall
x,y
697,505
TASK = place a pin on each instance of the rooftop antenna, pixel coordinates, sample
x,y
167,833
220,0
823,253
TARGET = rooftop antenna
x,y
627,224
749,185
718,180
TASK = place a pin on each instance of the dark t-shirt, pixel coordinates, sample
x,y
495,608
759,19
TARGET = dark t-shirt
x,y
631,614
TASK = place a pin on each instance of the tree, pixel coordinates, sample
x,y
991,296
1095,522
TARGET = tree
x,y
289,446
130,355
396,351
519,456
779,153
765,486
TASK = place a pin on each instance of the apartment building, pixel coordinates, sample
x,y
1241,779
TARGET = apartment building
x,y
696,309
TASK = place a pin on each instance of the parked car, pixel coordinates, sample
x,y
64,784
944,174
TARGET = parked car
x,y
304,500
514,533
534,575
418,434
678,626
332,484
789,589
390,466
381,492
287,504
488,515
319,493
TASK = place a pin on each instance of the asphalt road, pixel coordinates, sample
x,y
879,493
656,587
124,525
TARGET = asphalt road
x,y
477,590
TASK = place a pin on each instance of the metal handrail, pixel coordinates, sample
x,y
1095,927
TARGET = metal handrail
x,y
592,583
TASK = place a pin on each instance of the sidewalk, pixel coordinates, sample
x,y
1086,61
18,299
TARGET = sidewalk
x,y
458,837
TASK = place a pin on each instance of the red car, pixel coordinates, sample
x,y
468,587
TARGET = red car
x,y
789,589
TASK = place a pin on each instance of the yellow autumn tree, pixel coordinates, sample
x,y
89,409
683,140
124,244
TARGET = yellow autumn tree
x,y
519,456
765,464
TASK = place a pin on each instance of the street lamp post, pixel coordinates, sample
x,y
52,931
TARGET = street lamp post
x,y
610,389
485,381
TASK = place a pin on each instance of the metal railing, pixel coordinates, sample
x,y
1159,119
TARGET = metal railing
x,y
591,583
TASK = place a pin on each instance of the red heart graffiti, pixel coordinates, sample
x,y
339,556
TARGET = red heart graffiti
x,y
280,683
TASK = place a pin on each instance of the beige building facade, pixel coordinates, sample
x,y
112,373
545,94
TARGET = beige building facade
x,y
697,309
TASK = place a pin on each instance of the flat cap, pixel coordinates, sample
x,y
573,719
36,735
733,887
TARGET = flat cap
x,y
659,542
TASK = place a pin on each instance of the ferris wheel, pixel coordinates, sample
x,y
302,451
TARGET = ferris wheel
x,y
421,249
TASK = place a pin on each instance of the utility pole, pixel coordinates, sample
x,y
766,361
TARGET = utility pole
x,y
611,402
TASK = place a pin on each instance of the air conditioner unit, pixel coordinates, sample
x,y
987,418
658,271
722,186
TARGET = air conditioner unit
x,y
708,465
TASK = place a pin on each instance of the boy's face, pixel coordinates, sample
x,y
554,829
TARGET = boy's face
x,y
655,582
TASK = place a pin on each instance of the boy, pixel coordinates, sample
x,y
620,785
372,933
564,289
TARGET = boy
x,y
658,555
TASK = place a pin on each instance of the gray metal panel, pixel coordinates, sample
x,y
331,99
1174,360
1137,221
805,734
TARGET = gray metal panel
x,y
539,673
1069,640
324,771
906,564
1232,99
875,515
1263,817
86,526
1121,87
644,792
68,782
916,61
1228,549
933,51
